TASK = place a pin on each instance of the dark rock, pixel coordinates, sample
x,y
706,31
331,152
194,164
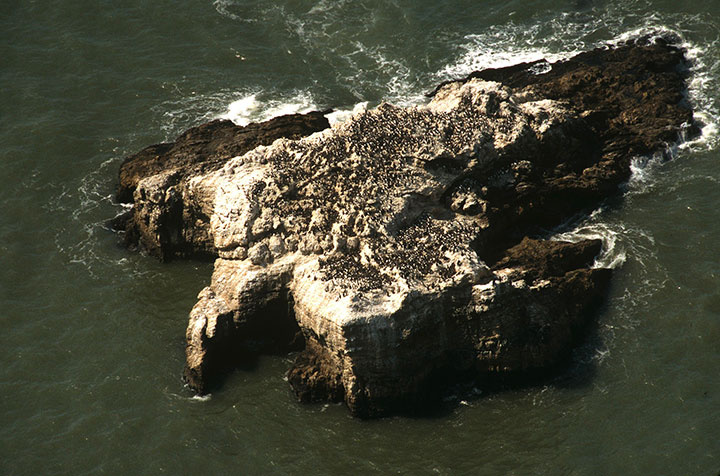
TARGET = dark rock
x,y
544,258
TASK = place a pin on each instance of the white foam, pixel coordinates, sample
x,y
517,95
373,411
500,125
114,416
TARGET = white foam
x,y
190,109
643,171
226,7
702,92
242,108
510,44
342,115
251,108
480,57
613,253
601,355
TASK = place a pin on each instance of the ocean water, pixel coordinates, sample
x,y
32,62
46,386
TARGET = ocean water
x,y
92,335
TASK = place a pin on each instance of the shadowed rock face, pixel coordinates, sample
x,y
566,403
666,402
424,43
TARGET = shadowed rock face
x,y
392,249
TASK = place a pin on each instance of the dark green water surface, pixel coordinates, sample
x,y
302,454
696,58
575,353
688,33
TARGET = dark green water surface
x,y
92,335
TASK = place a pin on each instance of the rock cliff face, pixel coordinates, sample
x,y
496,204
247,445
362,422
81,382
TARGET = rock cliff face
x,y
393,250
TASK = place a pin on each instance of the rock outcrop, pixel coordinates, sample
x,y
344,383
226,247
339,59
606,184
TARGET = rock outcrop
x,y
394,250
161,222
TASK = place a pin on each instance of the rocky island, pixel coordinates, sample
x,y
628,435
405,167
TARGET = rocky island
x,y
407,248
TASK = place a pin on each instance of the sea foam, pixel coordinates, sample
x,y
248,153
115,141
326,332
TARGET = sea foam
x,y
253,108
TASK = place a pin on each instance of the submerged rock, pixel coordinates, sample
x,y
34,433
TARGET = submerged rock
x,y
393,249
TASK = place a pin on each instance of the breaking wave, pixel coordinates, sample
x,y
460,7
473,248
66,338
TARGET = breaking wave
x,y
252,108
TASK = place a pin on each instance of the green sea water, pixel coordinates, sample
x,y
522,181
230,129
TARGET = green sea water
x,y
92,336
